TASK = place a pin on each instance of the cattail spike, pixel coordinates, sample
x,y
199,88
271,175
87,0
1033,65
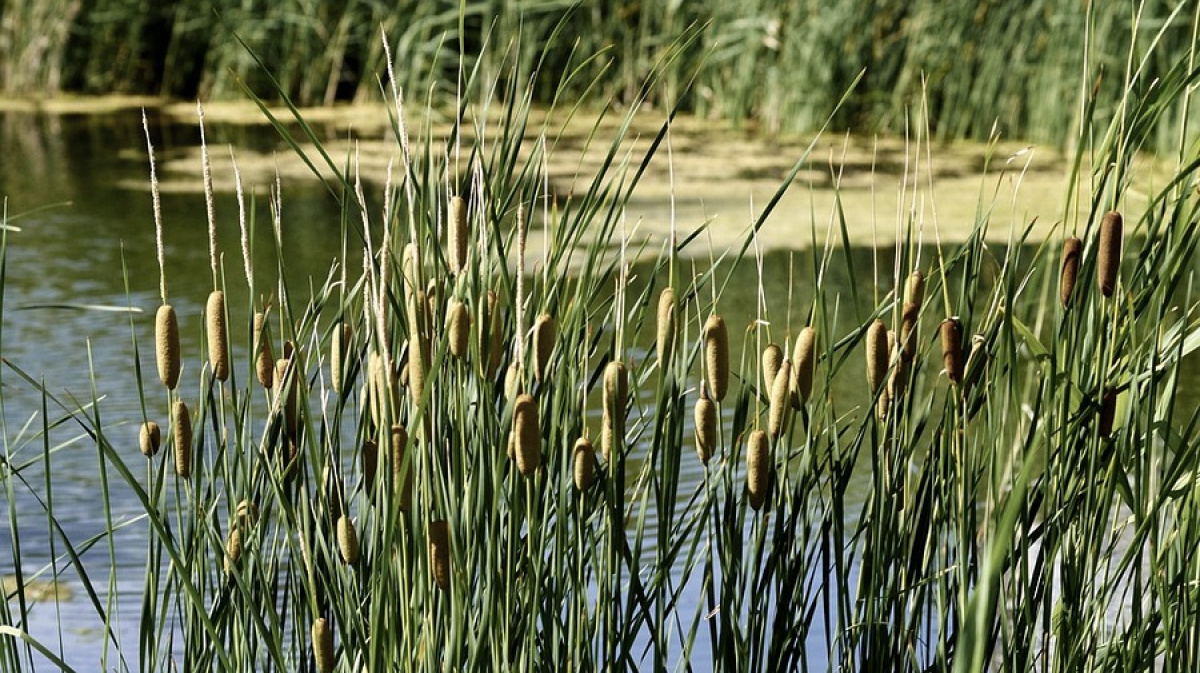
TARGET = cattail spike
x,y
218,340
233,548
667,329
804,358
914,289
952,355
347,540
527,435
584,456
166,345
264,360
716,356
908,331
402,474
149,438
772,358
1109,261
758,468
616,394
459,320
877,355
182,421
706,426
322,638
457,235
780,400
439,553
342,344
544,335
1072,251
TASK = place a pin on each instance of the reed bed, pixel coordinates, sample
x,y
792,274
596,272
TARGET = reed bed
x,y
434,500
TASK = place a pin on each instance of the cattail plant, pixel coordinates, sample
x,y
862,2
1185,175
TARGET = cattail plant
x,y
286,383
182,421
149,438
667,330
218,340
780,400
322,643
459,320
439,553
1108,411
584,463
1072,250
758,468
457,235
370,462
544,335
264,357
1108,263
706,426
418,346
877,355
527,435
166,345
952,354
772,358
804,357
716,356
616,393
347,539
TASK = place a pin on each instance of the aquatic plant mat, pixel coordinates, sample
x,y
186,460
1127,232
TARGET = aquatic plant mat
x,y
486,440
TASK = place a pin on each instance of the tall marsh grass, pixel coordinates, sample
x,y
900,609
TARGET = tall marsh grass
x,y
434,502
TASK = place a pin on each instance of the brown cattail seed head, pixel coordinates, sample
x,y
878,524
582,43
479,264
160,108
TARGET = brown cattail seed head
x,y
585,463
781,400
877,355
512,381
264,358
1072,251
914,289
1108,411
772,358
527,435
667,329
149,438
706,426
439,553
804,359
218,341
347,540
758,468
182,421
322,638
459,320
716,356
166,345
418,345
616,393
1109,261
543,345
233,548
458,235
342,344
908,331
402,472
370,461
952,354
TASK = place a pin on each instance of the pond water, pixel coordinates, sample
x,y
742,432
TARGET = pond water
x,y
77,189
